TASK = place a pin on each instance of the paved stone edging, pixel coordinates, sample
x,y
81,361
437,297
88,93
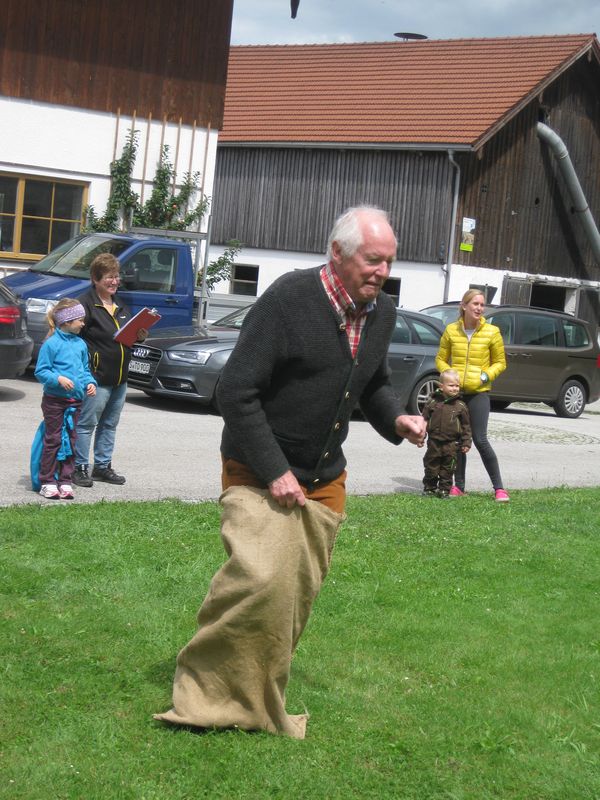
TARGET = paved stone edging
x,y
510,432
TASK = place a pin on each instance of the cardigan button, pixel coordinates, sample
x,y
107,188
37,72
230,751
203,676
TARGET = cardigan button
x,y
316,480
326,455
347,396
336,427
342,326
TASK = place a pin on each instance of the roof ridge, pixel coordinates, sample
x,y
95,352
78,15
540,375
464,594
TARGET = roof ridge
x,y
419,42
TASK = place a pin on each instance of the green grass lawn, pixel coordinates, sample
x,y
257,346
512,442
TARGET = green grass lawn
x,y
454,652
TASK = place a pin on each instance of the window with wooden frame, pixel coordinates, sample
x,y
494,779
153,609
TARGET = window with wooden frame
x,y
38,214
244,280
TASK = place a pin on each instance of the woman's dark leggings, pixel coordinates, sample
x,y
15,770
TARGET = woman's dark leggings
x,y
479,411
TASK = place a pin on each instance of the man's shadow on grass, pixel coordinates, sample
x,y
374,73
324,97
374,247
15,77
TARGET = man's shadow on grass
x,y
161,673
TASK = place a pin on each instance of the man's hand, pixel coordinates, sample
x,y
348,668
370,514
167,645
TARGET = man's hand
x,y
286,490
412,428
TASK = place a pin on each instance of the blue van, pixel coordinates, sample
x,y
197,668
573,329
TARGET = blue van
x,y
155,272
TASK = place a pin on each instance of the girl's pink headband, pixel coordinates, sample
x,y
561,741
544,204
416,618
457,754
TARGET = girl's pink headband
x,y
68,314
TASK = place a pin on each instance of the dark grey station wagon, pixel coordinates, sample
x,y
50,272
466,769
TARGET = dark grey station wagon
x,y
552,357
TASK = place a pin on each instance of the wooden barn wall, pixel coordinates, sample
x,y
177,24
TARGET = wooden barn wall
x,y
164,59
287,199
525,219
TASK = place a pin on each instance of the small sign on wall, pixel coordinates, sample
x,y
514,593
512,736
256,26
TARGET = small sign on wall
x,y
467,239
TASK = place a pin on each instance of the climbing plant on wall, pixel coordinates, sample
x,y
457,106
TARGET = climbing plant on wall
x,y
122,199
165,208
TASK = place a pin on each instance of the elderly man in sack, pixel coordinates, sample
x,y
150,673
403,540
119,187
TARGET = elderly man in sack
x,y
312,348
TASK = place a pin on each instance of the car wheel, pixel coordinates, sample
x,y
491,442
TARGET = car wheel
x,y
420,393
499,405
571,400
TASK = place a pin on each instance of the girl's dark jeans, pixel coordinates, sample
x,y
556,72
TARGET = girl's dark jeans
x,y
53,409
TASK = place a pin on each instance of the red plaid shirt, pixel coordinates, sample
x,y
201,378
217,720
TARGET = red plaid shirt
x,y
344,305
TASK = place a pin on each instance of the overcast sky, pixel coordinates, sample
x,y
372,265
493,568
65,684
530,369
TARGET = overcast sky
x,y
269,21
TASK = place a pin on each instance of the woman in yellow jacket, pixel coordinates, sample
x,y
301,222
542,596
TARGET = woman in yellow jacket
x,y
475,349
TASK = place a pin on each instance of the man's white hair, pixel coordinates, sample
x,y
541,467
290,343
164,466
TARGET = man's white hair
x,y
347,232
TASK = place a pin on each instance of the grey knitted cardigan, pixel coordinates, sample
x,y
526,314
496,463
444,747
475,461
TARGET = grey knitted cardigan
x,y
288,390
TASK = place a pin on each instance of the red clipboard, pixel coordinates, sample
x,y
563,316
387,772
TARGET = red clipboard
x,y
128,334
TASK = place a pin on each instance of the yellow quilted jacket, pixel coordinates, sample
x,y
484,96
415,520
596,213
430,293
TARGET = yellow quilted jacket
x,y
484,353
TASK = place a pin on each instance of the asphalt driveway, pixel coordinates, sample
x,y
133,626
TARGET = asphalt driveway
x,y
172,450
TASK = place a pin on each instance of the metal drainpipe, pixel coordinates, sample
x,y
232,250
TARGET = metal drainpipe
x,y
452,224
567,169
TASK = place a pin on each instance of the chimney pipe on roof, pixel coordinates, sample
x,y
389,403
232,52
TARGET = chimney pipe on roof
x,y
294,6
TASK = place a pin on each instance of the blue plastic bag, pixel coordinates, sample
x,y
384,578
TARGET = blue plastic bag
x,y
36,456
37,447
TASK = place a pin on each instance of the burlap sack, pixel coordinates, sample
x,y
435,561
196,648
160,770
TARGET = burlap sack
x,y
235,670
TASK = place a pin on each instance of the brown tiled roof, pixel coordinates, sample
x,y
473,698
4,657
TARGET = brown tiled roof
x,y
432,92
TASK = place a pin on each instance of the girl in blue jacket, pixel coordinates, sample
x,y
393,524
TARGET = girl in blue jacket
x,y
63,370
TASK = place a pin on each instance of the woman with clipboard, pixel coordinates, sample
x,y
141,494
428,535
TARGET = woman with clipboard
x,y
105,314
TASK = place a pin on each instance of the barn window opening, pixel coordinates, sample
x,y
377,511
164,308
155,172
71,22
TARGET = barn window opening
x,y
544,296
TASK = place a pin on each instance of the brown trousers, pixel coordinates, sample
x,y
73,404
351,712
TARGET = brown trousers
x,y
332,494
440,465
235,670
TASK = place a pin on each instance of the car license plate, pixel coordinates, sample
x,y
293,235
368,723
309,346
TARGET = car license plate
x,y
140,367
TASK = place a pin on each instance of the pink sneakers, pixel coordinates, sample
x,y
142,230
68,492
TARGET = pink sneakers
x,y
66,491
501,494
49,491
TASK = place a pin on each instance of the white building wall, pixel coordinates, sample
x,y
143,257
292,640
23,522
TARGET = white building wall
x,y
77,144
421,284
461,278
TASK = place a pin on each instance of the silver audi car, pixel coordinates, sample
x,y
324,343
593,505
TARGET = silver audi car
x,y
186,363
